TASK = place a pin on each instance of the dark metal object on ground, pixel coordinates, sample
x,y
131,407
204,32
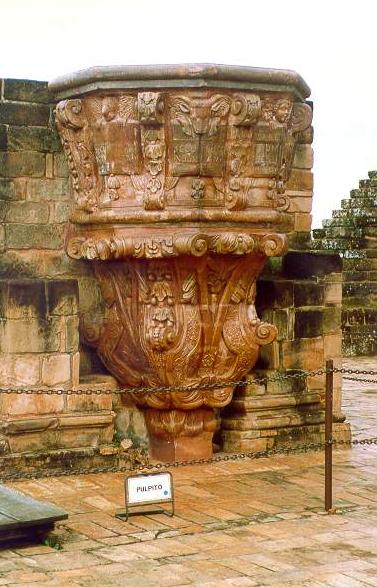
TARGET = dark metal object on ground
x,y
22,516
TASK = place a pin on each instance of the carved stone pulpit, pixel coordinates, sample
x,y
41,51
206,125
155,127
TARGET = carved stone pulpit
x,y
179,176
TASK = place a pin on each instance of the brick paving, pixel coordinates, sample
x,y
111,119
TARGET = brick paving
x,y
253,523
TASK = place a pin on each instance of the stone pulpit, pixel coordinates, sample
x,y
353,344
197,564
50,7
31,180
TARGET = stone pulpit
x,y
179,179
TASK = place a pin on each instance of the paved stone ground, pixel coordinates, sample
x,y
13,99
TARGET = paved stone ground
x,y
254,523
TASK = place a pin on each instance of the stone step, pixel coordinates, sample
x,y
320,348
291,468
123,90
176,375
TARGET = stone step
x,y
349,248
359,202
360,315
363,192
341,232
366,212
356,275
350,221
359,293
319,233
359,264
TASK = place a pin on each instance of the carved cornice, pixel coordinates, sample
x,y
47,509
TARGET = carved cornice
x,y
196,245
186,75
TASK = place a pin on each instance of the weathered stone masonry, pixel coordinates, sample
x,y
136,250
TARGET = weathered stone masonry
x,y
45,295
352,233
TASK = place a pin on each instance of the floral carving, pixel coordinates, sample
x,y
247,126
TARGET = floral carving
x,y
179,195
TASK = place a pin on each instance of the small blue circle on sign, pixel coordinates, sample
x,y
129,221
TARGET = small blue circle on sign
x,y
165,492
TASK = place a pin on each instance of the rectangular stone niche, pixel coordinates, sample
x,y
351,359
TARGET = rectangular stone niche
x,y
39,349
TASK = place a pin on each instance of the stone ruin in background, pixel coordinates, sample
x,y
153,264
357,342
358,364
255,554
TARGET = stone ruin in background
x,y
165,245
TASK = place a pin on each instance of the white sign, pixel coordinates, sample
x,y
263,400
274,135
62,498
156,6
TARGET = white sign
x,y
149,488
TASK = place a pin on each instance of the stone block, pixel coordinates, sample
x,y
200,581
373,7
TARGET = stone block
x,y
272,293
27,212
49,165
81,430
307,354
300,179
332,345
71,333
300,204
47,189
4,207
303,158
21,164
60,165
302,222
26,90
333,294
61,212
239,441
56,370
33,434
2,239
38,236
24,335
302,265
24,114
332,319
19,370
62,297
31,138
96,402
308,294
75,368
308,323
8,190
32,405
3,138
26,299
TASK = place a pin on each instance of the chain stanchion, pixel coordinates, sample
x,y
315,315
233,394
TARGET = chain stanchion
x,y
328,435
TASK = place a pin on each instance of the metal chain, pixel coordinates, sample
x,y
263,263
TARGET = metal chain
x,y
148,466
360,380
303,448
190,388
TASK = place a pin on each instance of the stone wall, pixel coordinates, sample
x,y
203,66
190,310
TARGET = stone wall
x,y
40,288
352,233
301,294
46,298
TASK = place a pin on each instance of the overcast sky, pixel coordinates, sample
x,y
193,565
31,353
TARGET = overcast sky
x,y
332,44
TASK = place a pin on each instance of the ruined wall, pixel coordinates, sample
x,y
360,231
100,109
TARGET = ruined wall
x,y
40,287
352,233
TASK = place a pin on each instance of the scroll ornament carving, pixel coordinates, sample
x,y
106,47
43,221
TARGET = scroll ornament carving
x,y
195,245
72,126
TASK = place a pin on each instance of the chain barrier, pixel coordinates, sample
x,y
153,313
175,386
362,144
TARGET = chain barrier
x,y
192,387
360,380
232,457
132,466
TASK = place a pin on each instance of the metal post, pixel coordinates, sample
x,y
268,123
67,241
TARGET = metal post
x,y
328,435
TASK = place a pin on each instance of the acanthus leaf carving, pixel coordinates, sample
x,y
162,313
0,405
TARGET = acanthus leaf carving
x,y
150,107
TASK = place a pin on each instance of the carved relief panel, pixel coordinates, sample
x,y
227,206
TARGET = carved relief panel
x,y
196,149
